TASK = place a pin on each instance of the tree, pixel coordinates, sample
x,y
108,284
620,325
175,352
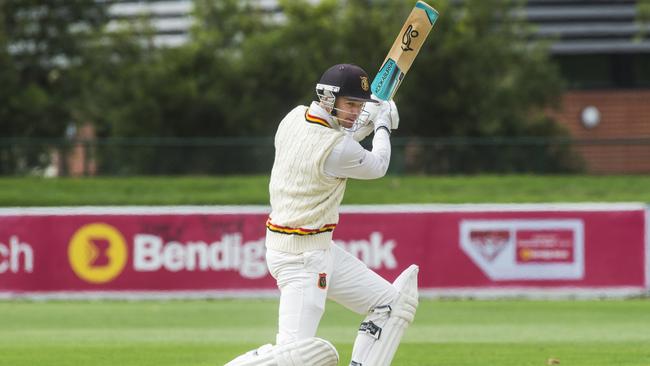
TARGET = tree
x,y
478,76
187,91
279,67
137,91
40,45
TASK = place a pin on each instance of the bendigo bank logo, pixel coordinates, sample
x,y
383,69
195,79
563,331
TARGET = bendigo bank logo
x,y
97,253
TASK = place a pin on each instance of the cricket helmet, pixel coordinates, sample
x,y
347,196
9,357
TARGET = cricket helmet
x,y
344,80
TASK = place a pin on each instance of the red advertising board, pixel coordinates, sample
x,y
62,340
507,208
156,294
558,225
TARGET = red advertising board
x,y
188,249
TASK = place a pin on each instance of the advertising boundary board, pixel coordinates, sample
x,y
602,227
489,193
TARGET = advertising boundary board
x,y
449,292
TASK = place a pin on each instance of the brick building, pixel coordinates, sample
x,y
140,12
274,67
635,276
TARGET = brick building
x,y
606,61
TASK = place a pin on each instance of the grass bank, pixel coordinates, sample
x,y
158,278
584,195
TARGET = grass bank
x,y
253,190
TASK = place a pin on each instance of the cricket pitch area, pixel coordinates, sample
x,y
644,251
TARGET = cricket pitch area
x,y
211,332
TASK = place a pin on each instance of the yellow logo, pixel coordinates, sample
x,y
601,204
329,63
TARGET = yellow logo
x,y
97,253
364,83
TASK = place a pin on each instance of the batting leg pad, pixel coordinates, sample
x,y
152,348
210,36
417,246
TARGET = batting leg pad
x,y
305,352
381,331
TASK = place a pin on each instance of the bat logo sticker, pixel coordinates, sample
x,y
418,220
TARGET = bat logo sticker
x,y
407,37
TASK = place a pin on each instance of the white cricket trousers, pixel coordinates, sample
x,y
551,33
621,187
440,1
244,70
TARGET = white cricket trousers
x,y
308,279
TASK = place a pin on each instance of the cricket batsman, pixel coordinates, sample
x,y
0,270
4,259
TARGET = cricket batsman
x,y
316,150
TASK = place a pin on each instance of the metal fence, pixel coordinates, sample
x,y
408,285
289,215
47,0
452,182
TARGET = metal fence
x,y
241,156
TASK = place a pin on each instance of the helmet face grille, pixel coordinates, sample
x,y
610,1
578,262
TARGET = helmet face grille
x,y
327,100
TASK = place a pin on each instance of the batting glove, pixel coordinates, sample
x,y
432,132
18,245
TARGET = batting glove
x,y
387,117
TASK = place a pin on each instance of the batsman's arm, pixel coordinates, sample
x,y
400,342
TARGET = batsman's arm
x,y
349,159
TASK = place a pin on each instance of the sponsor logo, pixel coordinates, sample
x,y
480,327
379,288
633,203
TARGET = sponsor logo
x,y
16,257
231,253
390,64
374,252
408,36
549,246
489,243
97,253
370,329
525,249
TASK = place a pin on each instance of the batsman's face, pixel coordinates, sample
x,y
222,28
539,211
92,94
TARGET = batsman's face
x,y
348,110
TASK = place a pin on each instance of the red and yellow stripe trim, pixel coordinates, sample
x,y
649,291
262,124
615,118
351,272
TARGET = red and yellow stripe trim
x,y
298,231
317,120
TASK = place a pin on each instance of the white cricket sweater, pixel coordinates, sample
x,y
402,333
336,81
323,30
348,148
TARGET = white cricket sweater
x,y
304,200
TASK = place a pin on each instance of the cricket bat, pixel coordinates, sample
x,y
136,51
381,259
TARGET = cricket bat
x,y
404,50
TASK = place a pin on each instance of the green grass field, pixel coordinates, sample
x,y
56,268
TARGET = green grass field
x,y
391,189
445,332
